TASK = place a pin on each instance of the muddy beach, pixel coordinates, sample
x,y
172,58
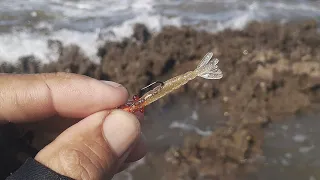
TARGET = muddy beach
x,y
271,72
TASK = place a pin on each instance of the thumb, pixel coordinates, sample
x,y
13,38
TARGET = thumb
x,y
93,148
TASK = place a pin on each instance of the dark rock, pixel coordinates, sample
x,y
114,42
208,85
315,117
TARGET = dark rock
x,y
7,68
73,60
141,33
28,65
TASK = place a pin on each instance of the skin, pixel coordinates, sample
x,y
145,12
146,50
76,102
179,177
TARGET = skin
x,y
73,110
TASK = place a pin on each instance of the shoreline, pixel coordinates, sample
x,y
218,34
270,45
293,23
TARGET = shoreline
x,y
270,71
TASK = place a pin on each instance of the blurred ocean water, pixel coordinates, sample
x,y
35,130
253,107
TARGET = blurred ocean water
x,y
27,25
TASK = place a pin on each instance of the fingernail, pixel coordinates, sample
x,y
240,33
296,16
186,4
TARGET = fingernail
x,y
113,84
121,129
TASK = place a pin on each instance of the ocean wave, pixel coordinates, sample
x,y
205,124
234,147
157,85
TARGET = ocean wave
x,y
189,127
90,23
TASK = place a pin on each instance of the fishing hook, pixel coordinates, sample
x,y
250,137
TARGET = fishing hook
x,y
150,85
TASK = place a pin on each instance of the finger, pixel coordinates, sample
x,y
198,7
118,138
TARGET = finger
x,y
48,129
92,148
33,97
139,150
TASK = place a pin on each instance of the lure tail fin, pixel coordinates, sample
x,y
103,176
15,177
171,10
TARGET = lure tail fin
x,y
208,67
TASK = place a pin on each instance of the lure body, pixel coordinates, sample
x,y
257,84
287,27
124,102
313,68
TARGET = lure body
x,y
207,69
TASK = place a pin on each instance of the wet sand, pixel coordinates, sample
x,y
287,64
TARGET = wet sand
x,y
271,72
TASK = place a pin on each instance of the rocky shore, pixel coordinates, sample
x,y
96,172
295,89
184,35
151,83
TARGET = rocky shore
x,y
270,71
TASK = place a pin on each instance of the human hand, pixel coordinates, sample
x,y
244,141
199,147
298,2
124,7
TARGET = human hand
x,y
99,141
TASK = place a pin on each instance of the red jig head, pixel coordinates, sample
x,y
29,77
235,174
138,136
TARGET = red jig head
x,y
137,103
134,105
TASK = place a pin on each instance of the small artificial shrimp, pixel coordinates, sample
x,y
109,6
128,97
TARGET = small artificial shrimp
x,y
207,69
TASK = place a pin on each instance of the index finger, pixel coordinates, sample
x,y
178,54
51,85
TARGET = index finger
x,y
32,97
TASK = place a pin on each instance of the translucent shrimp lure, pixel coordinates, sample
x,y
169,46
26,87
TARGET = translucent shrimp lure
x,y
207,69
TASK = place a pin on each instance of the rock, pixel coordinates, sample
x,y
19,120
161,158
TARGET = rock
x,y
28,64
72,60
141,33
311,68
7,68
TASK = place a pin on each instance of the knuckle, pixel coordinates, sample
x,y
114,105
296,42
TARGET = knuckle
x,y
78,165
90,160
